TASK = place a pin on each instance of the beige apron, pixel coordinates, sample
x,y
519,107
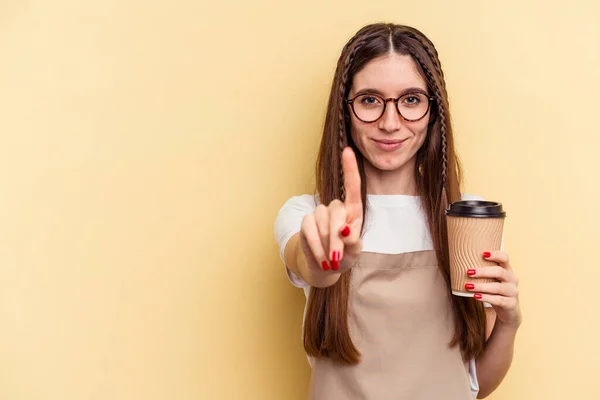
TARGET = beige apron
x,y
400,319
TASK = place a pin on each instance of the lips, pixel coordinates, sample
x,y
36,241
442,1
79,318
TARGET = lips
x,y
389,141
388,144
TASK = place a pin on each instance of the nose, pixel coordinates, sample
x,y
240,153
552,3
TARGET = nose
x,y
391,120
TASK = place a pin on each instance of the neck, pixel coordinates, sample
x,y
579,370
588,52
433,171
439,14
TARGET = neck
x,y
399,181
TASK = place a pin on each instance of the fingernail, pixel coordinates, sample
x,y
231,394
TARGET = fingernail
x,y
469,286
487,254
477,296
325,265
346,231
471,272
335,265
335,260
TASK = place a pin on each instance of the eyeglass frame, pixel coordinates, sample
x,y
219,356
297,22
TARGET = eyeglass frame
x,y
385,103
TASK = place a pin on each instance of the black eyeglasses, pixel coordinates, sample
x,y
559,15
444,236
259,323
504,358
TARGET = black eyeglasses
x,y
370,107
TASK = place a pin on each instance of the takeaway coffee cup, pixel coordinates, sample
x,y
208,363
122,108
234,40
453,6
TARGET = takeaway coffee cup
x,y
474,227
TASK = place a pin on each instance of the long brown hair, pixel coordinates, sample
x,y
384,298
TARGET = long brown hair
x,y
438,177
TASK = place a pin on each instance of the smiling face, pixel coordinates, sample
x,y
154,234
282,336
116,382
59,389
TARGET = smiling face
x,y
390,143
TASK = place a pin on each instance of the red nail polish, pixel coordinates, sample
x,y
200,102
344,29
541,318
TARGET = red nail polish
x,y
469,286
487,254
471,272
335,260
325,265
346,231
478,296
334,256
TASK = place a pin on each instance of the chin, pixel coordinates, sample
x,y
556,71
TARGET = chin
x,y
387,162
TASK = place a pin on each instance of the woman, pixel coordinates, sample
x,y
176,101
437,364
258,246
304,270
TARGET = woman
x,y
370,248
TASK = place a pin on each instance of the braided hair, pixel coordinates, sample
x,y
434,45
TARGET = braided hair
x,y
326,332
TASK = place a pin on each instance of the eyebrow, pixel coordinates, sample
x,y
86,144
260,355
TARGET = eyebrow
x,y
405,91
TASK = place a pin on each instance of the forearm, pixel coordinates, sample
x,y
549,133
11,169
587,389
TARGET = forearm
x,y
496,358
296,261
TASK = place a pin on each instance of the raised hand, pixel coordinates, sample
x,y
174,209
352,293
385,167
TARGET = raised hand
x,y
330,236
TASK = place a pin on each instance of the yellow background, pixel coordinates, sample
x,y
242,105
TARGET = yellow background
x,y
146,146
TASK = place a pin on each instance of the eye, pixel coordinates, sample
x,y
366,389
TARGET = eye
x,y
368,100
412,100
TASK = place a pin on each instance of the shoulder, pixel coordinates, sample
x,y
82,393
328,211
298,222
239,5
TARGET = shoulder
x,y
289,217
304,203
